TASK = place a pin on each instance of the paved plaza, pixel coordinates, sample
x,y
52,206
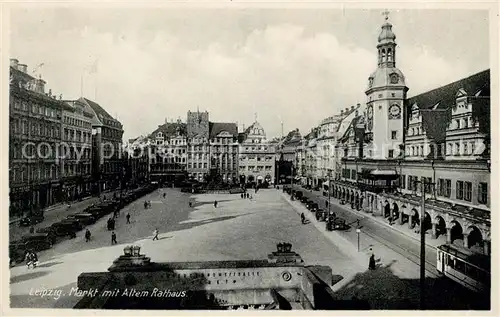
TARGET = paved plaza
x,y
237,229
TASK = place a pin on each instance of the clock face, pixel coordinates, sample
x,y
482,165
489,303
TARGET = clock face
x,y
394,78
395,112
370,112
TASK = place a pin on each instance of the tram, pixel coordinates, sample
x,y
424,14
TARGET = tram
x,y
464,267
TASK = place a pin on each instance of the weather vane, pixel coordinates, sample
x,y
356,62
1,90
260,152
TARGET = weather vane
x,y
386,14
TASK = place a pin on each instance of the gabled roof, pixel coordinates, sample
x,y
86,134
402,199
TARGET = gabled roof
x,y
217,127
446,95
169,129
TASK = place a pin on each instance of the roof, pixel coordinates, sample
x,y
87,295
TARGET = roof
x,y
170,129
98,110
445,96
218,127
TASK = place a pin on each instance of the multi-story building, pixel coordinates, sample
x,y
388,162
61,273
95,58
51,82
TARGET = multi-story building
x,y
107,161
76,150
224,151
395,152
169,157
198,146
35,131
137,157
286,156
256,156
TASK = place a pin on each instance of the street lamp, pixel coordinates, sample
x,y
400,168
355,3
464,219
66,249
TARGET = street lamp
x,y
358,231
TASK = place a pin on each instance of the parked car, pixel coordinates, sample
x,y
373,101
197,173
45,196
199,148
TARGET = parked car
x,y
299,194
31,220
95,211
321,214
304,199
84,218
314,207
309,204
336,224
33,242
62,229
77,224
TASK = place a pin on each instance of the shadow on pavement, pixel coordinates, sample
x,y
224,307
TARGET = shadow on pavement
x,y
381,289
28,276
189,225
49,264
201,203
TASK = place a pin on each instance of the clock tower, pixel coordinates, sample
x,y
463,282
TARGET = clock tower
x,y
385,95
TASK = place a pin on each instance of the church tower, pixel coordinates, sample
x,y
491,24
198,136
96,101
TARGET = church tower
x,y
385,95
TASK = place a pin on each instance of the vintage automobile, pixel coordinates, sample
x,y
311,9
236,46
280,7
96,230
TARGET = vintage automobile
x,y
336,224
321,214
304,199
95,211
84,218
299,194
62,229
309,204
31,220
33,242
314,207
77,224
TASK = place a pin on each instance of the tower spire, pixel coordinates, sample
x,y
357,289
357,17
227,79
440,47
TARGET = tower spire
x,y
255,116
386,14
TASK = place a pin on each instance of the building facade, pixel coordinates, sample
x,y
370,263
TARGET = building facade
x,y
34,136
169,157
224,151
76,150
256,156
434,144
198,146
107,160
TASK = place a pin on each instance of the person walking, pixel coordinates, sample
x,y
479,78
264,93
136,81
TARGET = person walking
x,y
113,238
371,263
87,235
164,195
31,259
128,217
302,218
215,204
155,234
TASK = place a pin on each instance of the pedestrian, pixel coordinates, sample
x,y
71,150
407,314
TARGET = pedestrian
x,y
164,195
31,259
190,204
128,217
302,217
371,263
32,229
241,195
109,224
215,204
155,234
87,235
113,238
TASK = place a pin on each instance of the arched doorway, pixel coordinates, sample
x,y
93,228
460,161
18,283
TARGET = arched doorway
x,y
474,238
404,215
414,218
395,211
427,221
440,226
456,234
387,209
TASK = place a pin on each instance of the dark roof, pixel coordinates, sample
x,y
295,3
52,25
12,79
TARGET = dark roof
x,y
218,127
170,129
97,108
446,95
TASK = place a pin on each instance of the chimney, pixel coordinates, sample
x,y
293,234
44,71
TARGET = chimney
x,y
341,111
358,105
352,107
346,109
23,68
40,85
166,120
14,62
50,92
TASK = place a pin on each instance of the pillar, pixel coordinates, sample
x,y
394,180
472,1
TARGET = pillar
x,y
487,247
448,235
410,222
466,240
400,218
434,230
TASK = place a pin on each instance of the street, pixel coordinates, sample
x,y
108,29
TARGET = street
x,y
237,229
440,293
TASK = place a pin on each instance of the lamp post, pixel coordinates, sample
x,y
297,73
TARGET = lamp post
x,y
358,231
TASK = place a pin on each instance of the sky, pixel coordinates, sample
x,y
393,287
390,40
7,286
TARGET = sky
x,y
296,66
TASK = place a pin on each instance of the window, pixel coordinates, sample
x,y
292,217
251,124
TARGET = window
x,y
467,191
460,190
394,135
353,174
482,197
391,154
402,181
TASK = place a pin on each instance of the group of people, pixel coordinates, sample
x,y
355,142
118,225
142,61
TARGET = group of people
x,y
246,195
31,259
147,204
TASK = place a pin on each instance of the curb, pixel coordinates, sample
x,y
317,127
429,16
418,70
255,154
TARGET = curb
x,y
367,215
347,247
